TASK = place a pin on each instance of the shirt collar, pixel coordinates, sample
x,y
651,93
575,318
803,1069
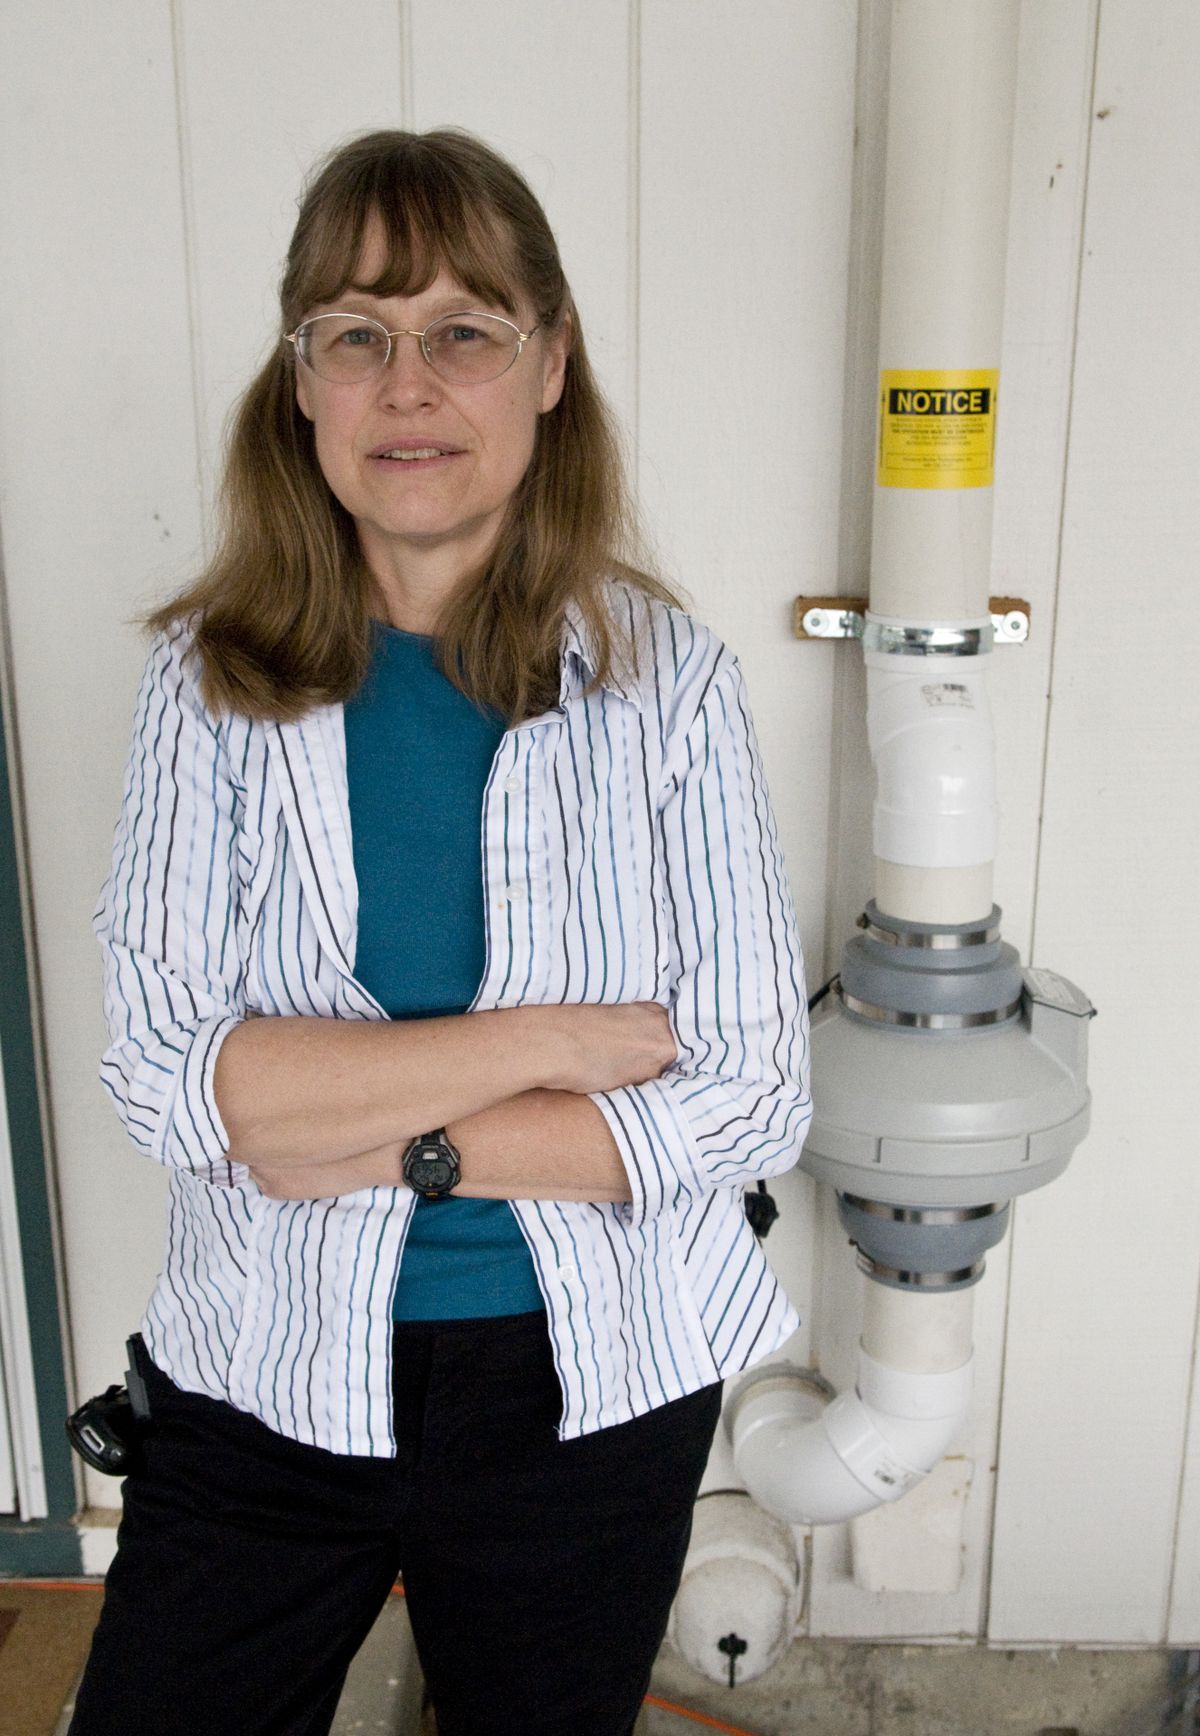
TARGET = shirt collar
x,y
578,644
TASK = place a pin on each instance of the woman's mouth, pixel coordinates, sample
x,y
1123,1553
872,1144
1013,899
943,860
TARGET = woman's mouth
x,y
414,457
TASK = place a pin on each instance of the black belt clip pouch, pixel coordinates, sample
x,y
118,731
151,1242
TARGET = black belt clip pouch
x,y
107,1431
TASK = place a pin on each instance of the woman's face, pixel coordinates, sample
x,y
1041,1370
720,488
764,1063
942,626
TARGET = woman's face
x,y
443,512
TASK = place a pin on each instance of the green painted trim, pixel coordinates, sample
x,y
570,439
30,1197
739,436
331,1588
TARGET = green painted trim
x,y
29,1174
46,1550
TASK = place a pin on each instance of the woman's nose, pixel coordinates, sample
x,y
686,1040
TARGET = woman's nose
x,y
406,375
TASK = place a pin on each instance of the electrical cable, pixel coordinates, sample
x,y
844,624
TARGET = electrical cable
x,y
815,1000
696,1717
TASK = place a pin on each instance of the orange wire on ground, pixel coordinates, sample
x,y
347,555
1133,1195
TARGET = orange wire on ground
x,y
696,1717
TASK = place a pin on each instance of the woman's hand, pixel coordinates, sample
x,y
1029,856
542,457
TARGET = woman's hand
x,y
600,1048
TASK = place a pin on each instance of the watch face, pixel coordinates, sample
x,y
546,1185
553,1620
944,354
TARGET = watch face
x,y
430,1169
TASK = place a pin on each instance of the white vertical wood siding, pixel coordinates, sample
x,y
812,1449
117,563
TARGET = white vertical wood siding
x,y
1101,1331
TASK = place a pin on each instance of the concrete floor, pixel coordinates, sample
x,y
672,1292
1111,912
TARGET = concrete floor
x,y
835,1688
384,1688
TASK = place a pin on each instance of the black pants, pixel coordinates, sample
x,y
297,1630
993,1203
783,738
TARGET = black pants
x,y
538,1573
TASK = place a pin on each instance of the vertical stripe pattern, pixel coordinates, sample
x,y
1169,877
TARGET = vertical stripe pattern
x,y
629,853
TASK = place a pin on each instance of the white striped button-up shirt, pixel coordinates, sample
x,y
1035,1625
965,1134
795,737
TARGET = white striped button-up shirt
x,y
629,854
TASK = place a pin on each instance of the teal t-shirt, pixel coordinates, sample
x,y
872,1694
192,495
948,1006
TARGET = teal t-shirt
x,y
418,754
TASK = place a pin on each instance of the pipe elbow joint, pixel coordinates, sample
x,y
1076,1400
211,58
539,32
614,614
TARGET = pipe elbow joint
x,y
868,1446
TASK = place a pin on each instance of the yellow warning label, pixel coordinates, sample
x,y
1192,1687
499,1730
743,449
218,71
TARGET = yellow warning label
x,y
937,428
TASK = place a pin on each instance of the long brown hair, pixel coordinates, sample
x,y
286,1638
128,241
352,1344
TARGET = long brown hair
x,y
282,613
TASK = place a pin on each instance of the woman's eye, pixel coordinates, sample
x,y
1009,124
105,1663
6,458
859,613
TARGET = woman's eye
x,y
458,333
359,337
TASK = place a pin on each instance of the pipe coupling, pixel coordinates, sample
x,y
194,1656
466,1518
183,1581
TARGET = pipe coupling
x,y
930,976
931,1248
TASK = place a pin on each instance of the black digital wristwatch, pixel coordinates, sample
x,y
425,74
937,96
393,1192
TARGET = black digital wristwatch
x,y
432,1166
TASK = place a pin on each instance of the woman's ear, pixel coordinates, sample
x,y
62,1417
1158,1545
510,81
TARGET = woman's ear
x,y
302,397
554,366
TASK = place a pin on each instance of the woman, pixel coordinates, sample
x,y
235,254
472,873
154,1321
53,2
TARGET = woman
x,y
452,972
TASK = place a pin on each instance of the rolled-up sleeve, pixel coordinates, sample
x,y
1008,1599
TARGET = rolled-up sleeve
x,y
735,1105
166,923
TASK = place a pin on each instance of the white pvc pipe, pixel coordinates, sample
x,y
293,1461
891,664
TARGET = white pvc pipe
x,y
950,106
818,1466
951,89
934,894
929,725
915,1333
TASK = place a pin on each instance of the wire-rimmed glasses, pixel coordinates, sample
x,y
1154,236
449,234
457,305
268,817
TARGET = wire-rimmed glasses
x,y
466,349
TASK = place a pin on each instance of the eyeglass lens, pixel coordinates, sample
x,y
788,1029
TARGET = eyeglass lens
x,y
464,348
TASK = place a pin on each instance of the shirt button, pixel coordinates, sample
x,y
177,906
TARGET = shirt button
x,y
567,1273
513,786
515,894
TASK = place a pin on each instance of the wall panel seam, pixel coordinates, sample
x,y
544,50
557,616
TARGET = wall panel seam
x,y
192,288
633,222
407,101
1062,503
1015,1218
872,52
1181,1484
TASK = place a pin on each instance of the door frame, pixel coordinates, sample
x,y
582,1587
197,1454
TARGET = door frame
x,y
44,1539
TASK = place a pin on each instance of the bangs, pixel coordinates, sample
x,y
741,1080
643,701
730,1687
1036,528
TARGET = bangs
x,y
428,219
